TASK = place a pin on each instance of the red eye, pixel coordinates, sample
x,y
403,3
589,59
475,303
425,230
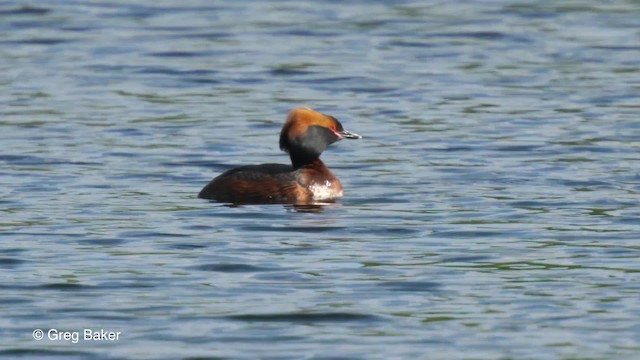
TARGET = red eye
x,y
334,130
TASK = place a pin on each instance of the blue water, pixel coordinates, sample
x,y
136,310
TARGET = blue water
x,y
491,210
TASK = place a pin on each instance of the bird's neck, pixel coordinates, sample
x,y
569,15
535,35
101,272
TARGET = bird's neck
x,y
300,160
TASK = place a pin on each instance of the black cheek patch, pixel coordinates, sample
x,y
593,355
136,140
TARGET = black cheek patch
x,y
308,146
316,139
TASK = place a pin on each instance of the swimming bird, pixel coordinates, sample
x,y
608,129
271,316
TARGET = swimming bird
x,y
304,136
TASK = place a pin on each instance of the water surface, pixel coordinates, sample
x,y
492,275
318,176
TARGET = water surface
x,y
491,210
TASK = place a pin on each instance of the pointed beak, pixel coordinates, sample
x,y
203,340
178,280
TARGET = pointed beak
x,y
349,135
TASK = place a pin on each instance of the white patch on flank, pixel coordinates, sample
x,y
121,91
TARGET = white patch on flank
x,y
324,191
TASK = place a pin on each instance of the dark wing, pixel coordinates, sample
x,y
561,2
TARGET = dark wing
x,y
254,184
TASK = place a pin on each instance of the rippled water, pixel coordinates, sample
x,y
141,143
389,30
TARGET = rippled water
x,y
491,210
